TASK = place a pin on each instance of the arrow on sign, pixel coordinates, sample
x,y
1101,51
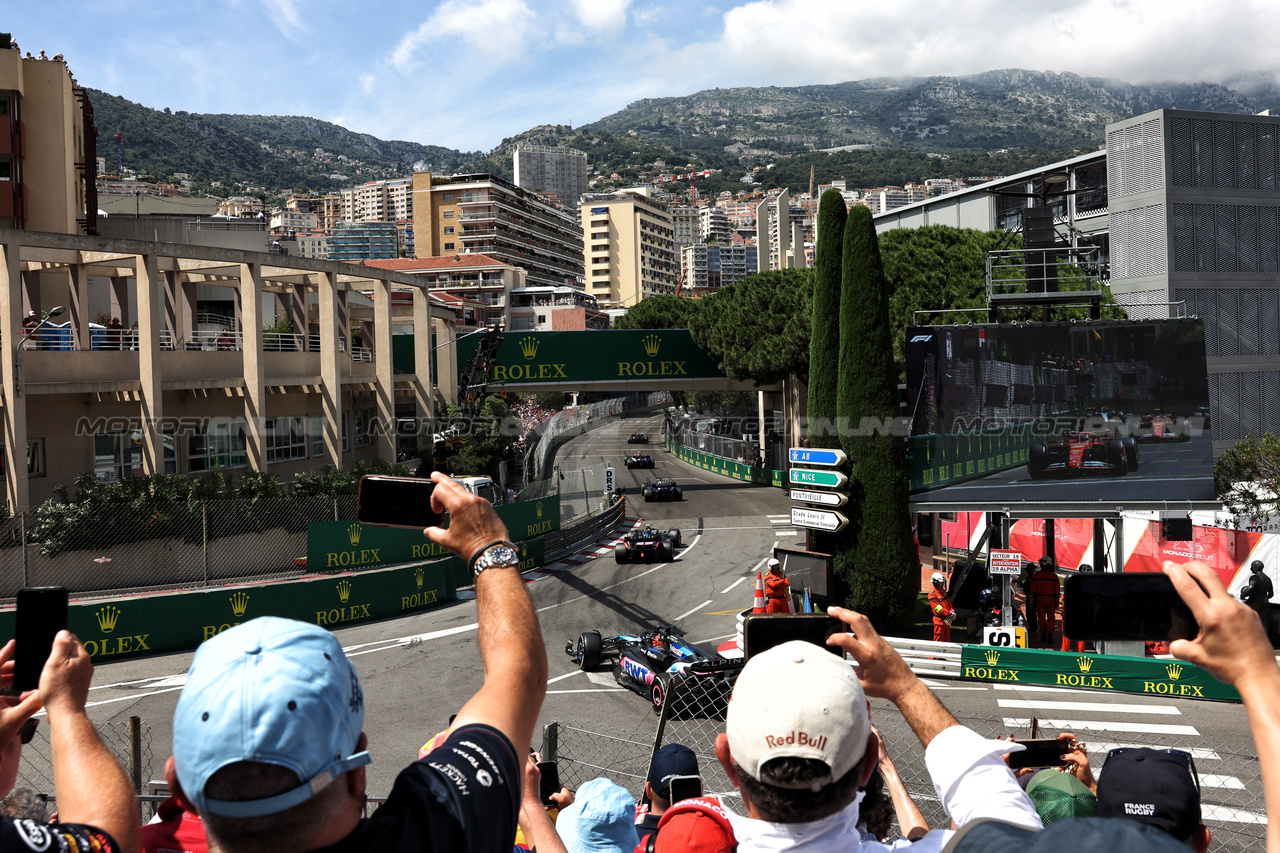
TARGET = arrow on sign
x,y
816,456
822,479
824,498
817,519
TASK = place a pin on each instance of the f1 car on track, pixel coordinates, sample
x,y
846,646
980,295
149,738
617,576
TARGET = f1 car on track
x,y
639,460
647,546
638,438
1083,453
1159,428
661,490
647,663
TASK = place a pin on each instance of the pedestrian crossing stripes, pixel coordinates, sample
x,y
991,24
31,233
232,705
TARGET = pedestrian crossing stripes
x,y
1104,726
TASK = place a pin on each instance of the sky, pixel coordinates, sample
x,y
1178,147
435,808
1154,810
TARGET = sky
x,y
466,74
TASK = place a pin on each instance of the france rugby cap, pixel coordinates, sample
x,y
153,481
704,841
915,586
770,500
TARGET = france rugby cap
x,y
272,691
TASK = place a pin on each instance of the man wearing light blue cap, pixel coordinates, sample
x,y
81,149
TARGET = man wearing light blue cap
x,y
268,740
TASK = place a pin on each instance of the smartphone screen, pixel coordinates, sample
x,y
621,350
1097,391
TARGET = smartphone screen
x,y
1044,752
550,783
1127,606
685,788
762,631
42,613
395,502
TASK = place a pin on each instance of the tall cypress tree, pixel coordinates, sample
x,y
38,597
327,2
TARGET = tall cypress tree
x,y
824,340
877,567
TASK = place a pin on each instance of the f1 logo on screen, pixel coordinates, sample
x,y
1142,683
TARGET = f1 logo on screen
x,y
1009,637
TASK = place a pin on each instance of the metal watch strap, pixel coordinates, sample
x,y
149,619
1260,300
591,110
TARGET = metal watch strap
x,y
475,558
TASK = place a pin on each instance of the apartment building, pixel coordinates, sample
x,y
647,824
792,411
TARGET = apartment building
x,y
630,251
686,224
378,201
364,241
713,225
779,233
483,214
477,287
708,267
556,171
47,147
284,222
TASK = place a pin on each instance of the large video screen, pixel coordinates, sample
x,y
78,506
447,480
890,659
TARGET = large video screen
x,y
1116,412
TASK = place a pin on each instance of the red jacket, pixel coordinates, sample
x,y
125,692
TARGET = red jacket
x,y
940,605
178,829
1045,587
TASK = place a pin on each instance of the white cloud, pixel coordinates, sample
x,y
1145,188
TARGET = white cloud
x,y
497,28
604,17
286,17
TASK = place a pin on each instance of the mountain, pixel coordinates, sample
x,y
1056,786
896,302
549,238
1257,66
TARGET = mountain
x,y
906,128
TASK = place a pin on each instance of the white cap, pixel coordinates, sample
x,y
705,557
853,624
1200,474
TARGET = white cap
x,y
773,564
31,313
938,577
797,700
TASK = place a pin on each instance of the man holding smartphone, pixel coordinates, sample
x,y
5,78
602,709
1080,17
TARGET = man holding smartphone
x,y
671,761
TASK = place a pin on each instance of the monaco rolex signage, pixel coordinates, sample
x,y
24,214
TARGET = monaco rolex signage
x,y
821,479
1150,676
596,356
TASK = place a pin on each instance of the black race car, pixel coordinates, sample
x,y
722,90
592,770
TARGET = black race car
x,y
661,490
647,663
639,460
638,438
647,545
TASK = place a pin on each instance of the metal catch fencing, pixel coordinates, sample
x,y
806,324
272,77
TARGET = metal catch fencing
x,y
686,433
104,546
1231,784
562,426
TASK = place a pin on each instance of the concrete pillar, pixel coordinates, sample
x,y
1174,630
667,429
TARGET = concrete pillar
x,y
31,293
150,323
255,391
367,334
237,303
14,412
330,372
384,385
186,309
172,291
120,299
78,306
447,368
422,356
297,312
344,326
764,448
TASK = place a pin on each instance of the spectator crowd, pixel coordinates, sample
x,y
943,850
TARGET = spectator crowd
x,y
270,753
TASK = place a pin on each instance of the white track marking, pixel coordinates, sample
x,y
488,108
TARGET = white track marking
x,y
1109,726
732,585
563,677
1213,780
129,697
1102,707
590,690
1199,753
781,533
1225,814
694,610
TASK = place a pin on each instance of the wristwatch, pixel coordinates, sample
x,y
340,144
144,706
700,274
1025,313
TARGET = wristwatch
x,y
501,553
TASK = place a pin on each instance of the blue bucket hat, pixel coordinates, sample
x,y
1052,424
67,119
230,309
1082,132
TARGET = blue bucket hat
x,y
271,691
602,819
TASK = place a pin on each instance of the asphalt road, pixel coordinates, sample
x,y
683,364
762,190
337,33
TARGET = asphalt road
x,y
418,670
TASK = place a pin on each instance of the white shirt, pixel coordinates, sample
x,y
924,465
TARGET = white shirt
x,y
971,780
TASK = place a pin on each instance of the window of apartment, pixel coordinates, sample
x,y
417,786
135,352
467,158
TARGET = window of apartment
x,y
6,167
286,439
117,455
218,445
35,458
364,427
448,229
447,197
542,318
447,214
317,435
448,245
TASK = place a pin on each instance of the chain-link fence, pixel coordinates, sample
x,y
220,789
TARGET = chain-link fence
x,y
102,546
696,433
1231,784
129,741
562,426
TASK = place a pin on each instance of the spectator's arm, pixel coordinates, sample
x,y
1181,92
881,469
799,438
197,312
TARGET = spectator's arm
x,y
511,648
885,675
911,822
1234,648
973,782
535,823
90,784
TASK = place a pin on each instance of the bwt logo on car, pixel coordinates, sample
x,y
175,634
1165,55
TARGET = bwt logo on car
x,y
636,671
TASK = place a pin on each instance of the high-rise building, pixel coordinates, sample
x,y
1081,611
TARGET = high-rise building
x,y
552,170
364,241
378,201
47,136
685,222
630,247
779,233
713,225
485,214
708,267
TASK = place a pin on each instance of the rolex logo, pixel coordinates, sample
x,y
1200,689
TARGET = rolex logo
x,y
651,344
1085,664
107,617
1175,671
538,509
239,601
529,347
417,576
344,591
354,532
992,656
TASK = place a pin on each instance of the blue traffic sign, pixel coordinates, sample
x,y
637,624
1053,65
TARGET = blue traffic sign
x,y
816,456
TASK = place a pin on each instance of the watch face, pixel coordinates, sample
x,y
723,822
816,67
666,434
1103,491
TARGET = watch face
x,y
500,555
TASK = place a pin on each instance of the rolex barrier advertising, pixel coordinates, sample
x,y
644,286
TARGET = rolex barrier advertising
x,y
169,622
341,546
725,468
1153,677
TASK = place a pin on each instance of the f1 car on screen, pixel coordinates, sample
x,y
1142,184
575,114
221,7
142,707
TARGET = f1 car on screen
x,y
638,438
661,490
647,662
647,546
1083,453
1159,428
639,460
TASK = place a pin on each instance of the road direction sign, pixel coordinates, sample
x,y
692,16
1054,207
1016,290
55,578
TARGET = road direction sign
x,y
821,479
817,519
816,456
1006,562
824,498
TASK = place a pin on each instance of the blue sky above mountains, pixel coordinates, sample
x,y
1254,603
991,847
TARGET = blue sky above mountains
x,y
467,73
